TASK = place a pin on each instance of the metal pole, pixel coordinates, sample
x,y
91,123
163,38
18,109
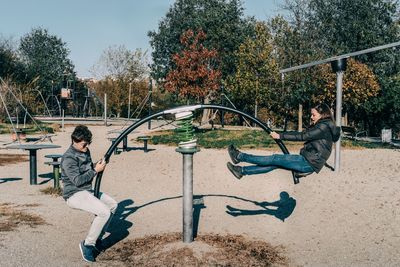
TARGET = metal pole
x,y
339,83
150,99
344,56
187,198
56,176
338,66
129,100
105,109
52,95
222,104
187,195
62,120
33,166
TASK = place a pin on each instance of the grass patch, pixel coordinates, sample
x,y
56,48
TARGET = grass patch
x,y
52,191
358,144
218,138
6,128
11,217
206,250
221,138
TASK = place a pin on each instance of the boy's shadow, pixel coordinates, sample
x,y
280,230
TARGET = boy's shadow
x,y
119,226
285,207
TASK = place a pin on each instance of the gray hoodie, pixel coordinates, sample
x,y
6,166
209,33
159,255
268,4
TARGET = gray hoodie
x,y
77,171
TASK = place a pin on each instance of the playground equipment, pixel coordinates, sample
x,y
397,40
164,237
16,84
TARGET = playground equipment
x,y
4,87
339,64
187,148
93,104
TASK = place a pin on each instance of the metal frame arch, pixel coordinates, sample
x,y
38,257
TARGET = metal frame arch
x,y
178,110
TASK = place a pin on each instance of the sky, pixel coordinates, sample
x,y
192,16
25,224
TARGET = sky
x,y
88,27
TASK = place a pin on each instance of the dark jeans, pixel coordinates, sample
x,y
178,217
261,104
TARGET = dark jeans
x,y
264,164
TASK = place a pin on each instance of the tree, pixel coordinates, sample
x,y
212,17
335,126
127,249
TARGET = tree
x,y
257,72
194,76
347,26
350,25
119,70
118,62
46,57
336,27
359,85
221,20
10,65
294,45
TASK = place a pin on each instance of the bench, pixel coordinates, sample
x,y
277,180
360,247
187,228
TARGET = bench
x,y
55,157
56,172
113,139
56,168
124,141
145,139
351,132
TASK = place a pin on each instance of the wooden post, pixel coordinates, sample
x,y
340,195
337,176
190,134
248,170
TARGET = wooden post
x,y
300,126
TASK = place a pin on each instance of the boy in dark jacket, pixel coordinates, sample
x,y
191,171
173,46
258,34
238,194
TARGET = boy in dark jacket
x,y
313,156
77,174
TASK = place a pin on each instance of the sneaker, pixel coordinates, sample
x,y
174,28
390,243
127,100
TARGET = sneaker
x,y
87,252
233,153
235,170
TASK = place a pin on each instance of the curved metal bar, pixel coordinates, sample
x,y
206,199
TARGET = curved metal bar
x,y
178,110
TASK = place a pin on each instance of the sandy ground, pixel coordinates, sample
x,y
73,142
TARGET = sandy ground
x,y
351,218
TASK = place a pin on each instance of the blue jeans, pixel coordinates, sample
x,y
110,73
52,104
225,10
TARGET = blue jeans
x,y
264,164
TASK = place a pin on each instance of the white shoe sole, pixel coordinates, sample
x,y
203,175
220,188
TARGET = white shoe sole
x,y
80,248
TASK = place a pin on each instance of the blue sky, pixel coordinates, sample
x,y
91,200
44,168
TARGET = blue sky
x,y
90,26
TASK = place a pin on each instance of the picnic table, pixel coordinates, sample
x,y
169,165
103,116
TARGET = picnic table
x,y
33,157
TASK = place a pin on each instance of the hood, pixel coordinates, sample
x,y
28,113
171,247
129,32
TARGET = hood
x,y
335,130
335,133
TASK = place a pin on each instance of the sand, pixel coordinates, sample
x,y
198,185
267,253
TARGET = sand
x,y
349,218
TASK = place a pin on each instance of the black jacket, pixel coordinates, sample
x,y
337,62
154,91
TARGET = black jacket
x,y
319,140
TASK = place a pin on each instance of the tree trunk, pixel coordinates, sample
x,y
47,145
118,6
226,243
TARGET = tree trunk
x,y
205,119
300,118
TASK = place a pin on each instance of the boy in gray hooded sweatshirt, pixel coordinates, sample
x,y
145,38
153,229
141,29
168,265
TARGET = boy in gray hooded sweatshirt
x,y
77,174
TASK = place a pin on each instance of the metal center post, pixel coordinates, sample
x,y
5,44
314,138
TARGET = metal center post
x,y
187,147
187,197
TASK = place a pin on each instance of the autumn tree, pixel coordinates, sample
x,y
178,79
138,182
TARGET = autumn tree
x,y
345,26
193,78
257,72
120,69
222,20
359,85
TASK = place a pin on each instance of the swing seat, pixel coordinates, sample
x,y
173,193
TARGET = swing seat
x,y
298,175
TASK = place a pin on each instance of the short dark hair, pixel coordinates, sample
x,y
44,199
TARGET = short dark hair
x,y
81,133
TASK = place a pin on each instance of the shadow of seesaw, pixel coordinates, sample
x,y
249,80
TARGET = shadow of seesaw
x,y
283,208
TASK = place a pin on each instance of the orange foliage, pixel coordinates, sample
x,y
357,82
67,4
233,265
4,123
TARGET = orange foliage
x,y
194,76
359,84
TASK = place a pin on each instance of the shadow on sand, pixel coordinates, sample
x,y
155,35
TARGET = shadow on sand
x,y
5,180
284,208
119,226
